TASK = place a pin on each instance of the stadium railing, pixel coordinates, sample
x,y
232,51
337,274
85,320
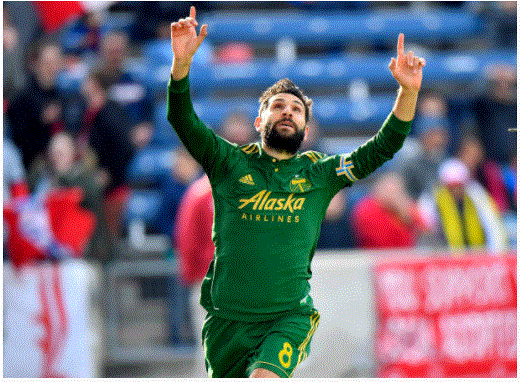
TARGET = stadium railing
x,y
119,275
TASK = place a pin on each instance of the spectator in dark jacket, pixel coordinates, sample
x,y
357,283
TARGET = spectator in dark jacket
x,y
38,111
104,141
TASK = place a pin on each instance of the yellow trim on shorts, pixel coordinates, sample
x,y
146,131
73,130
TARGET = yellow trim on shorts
x,y
314,320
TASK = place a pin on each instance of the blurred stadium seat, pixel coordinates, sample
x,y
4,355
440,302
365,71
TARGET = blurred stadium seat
x,y
149,167
334,71
311,28
143,205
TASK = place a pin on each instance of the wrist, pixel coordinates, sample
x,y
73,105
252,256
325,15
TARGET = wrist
x,y
180,69
409,92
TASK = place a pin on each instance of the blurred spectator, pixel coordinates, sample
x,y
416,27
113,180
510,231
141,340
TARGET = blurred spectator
x,y
24,17
104,136
335,231
141,135
104,140
496,112
312,140
192,237
419,172
123,86
15,183
82,36
461,211
237,128
192,231
510,176
486,172
388,217
54,15
61,169
38,112
234,52
184,171
14,76
499,181
502,16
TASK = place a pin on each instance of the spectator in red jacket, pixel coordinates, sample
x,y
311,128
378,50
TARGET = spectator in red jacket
x,y
388,217
192,231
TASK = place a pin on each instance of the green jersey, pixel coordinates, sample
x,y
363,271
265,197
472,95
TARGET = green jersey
x,y
268,212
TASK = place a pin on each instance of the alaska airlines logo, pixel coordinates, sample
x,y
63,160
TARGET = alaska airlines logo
x,y
261,201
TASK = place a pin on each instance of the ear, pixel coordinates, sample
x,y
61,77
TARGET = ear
x,y
257,124
306,131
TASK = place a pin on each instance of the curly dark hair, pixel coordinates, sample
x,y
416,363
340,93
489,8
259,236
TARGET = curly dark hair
x,y
285,85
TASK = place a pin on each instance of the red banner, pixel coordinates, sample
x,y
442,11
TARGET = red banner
x,y
447,317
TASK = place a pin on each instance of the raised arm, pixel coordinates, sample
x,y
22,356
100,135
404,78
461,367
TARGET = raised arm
x,y
185,43
210,150
407,71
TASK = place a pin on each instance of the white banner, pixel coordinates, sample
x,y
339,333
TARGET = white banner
x,y
50,326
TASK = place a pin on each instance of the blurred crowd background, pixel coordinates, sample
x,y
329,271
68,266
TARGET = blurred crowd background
x,y
85,108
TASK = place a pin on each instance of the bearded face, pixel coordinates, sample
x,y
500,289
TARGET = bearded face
x,y
283,123
282,135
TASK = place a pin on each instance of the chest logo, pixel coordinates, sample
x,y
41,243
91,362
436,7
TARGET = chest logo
x,y
299,185
261,201
247,179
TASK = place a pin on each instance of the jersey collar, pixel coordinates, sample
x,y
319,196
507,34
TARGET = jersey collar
x,y
266,157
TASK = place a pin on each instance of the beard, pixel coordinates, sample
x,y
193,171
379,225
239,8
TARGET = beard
x,y
288,143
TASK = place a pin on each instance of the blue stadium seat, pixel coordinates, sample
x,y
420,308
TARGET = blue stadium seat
x,y
334,112
341,27
164,136
337,71
157,52
149,167
143,205
120,21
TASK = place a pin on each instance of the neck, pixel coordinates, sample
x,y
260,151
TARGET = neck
x,y
277,154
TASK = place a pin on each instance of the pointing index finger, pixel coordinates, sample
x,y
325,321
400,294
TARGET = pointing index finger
x,y
192,12
399,47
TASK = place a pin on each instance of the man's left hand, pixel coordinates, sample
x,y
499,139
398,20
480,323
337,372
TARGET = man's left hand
x,y
407,68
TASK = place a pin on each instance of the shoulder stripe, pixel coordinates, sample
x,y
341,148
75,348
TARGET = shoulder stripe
x,y
250,149
313,155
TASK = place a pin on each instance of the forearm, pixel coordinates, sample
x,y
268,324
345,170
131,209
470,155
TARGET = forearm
x,y
405,104
201,142
382,146
182,117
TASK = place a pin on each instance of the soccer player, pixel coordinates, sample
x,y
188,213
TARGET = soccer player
x,y
269,203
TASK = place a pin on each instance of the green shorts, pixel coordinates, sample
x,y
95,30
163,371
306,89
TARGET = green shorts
x,y
236,348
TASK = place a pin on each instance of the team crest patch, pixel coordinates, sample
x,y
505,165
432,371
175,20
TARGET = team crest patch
x,y
299,185
345,168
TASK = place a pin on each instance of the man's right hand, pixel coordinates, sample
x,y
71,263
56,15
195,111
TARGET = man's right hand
x,y
185,43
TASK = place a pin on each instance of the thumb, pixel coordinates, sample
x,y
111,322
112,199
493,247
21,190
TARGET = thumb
x,y
392,65
202,34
